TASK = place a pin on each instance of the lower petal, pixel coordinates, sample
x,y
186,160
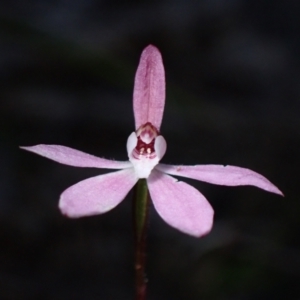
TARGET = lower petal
x,y
97,195
180,205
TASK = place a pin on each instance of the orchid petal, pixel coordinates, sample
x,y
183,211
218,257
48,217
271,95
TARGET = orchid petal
x,y
222,175
131,144
149,89
97,195
160,146
180,204
72,157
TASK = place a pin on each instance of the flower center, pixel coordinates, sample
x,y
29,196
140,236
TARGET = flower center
x,y
145,148
146,135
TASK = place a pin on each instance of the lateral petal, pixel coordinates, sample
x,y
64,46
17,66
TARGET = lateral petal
x,y
97,195
149,89
180,205
75,158
222,175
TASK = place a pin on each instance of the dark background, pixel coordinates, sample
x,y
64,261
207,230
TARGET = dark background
x,y
66,73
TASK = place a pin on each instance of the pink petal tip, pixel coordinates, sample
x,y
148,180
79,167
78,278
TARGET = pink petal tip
x,y
180,205
97,195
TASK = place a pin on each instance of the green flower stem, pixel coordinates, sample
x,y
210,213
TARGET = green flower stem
x,y
140,222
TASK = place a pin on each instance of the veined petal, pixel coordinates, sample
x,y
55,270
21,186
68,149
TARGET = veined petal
x,y
97,195
180,204
222,175
72,157
149,89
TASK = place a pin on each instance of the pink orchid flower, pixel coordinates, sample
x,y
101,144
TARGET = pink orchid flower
x,y
179,204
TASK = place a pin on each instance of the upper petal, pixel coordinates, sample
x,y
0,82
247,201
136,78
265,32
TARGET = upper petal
x,y
149,89
72,157
97,195
222,175
180,205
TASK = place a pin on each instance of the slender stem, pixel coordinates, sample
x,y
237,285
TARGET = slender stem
x,y
140,222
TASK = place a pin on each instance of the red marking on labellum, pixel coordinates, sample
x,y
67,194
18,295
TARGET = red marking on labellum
x,y
146,135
